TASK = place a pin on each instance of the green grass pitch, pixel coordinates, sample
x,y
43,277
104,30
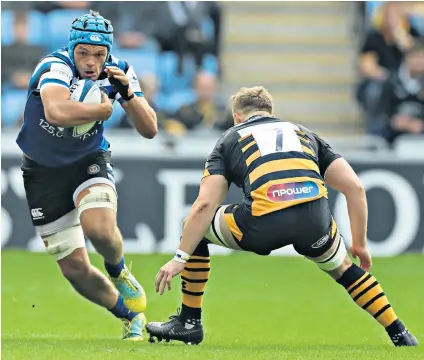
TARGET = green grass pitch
x,y
255,308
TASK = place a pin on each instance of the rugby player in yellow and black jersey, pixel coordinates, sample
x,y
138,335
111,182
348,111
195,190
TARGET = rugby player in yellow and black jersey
x,y
283,169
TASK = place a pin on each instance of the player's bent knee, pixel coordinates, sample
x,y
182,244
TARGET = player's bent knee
x,y
98,197
74,266
63,243
218,232
102,232
335,257
339,271
102,228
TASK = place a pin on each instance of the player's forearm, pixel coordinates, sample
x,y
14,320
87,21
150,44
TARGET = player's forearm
x,y
143,117
196,225
358,213
370,68
68,113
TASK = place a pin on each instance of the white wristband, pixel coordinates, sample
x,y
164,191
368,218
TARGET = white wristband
x,y
181,256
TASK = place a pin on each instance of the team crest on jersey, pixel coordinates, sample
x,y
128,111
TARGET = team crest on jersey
x,y
292,191
93,169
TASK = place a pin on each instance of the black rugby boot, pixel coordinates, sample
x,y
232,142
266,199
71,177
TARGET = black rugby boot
x,y
405,338
189,331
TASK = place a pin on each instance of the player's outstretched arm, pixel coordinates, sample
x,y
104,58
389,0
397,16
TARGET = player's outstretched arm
x,y
213,190
341,177
137,108
61,111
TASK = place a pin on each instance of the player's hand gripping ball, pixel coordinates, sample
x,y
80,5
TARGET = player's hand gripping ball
x,y
86,91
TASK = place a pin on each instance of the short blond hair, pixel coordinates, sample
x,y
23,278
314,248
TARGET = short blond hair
x,y
256,98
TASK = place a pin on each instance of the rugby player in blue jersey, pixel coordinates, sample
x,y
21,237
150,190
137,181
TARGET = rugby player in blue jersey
x,y
69,181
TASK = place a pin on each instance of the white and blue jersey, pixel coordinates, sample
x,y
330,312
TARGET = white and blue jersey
x,y
44,143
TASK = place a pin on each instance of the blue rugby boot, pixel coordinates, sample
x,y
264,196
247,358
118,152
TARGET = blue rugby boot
x,y
133,330
131,291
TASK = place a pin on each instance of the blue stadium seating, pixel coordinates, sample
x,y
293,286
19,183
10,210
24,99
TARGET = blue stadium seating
x,y
58,22
176,89
171,80
36,21
142,61
35,27
7,34
371,6
170,103
13,104
210,64
168,74
208,28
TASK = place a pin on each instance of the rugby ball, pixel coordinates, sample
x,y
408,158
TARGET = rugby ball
x,y
86,91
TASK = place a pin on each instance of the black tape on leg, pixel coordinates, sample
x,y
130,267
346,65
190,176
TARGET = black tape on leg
x,y
352,274
202,249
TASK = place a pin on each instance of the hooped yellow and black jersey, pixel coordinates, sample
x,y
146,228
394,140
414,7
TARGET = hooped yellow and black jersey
x,y
277,163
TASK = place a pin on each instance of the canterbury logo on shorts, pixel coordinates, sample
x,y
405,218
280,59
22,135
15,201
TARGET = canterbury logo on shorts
x,y
292,191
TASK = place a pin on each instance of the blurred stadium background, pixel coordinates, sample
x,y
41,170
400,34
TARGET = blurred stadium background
x,y
340,68
351,71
